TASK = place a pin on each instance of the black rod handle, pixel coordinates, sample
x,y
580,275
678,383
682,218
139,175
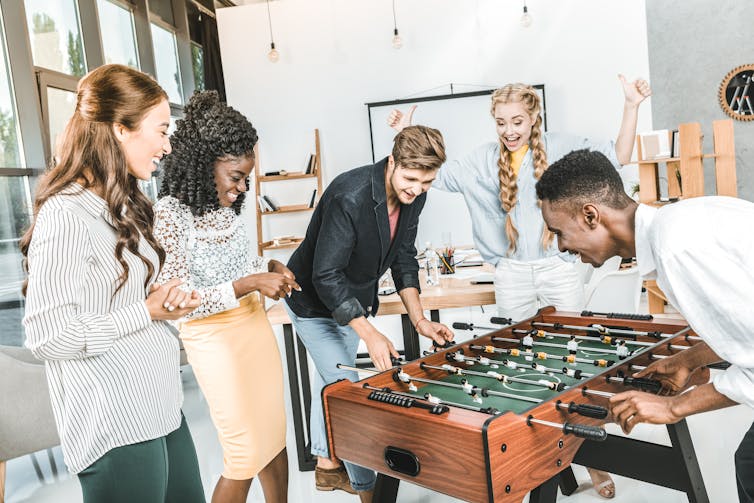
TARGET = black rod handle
x,y
588,410
585,431
497,320
644,384
463,326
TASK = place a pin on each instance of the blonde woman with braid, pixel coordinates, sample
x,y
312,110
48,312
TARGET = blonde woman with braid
x,y
497,181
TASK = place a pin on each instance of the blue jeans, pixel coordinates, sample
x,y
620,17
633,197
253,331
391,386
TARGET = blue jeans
x,y
329,344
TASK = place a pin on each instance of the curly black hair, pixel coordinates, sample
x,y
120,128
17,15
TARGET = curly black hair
x,y
209,131
580,177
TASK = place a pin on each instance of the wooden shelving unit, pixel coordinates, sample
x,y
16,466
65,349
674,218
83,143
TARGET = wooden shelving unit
x,y
689,164
290,242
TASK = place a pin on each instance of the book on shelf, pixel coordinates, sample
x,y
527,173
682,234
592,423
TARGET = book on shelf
x,y
284,240
314,197
270,203
655,144
310,165
263,206
675,144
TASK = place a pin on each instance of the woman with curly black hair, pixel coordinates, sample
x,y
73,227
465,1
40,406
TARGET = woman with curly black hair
x,y
228,339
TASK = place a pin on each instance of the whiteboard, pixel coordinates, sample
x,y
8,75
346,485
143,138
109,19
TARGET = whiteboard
x,y
465,122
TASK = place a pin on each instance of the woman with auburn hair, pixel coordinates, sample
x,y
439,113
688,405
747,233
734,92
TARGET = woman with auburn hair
x,y
94,312
228,339
497,181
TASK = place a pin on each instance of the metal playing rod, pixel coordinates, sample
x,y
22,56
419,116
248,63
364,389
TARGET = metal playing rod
x,y
494,375
606,394
467,388
607,330
357,369
483,360
558,346
579,430
471,326
580,337
434,400
541,355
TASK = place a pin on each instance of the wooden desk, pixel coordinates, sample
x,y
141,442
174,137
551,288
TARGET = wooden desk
x,y
451,293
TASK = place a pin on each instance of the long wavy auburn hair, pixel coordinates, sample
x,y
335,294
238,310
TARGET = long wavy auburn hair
x,y
89,153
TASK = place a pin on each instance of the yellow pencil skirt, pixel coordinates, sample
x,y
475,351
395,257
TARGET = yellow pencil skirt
x,y
237,364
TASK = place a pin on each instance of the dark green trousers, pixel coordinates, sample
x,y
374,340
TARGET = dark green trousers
x,y
745,468
163,470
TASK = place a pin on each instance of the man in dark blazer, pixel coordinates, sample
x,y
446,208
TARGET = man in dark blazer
x,y
365,223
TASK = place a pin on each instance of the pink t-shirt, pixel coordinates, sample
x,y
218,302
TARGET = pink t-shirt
x,y
393,219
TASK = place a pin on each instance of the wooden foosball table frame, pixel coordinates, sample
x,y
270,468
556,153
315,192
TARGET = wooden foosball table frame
x,y
500,457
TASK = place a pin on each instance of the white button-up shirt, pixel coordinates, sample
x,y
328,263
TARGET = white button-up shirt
x,y
701,251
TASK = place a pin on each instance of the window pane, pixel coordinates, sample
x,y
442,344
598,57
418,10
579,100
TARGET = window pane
x,y
197,60
55,35
14,219
10,146
118,36
166,62
60,107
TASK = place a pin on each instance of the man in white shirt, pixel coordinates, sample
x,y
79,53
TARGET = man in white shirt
x,y
700,251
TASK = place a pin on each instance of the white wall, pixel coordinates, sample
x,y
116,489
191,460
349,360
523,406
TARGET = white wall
x,y
336,55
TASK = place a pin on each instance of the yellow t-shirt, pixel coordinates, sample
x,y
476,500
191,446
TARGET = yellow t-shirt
x,y
517,158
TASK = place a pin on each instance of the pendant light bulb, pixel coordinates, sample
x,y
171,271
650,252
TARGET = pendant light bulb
x,y
526,18
273,55
397,40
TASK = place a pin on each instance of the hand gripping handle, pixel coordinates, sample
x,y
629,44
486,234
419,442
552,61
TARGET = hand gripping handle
x,y
588,410
644,384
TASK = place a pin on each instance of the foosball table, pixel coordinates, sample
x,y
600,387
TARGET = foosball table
x,y
505,413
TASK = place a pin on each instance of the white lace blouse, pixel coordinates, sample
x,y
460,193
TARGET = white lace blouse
x,y
208,252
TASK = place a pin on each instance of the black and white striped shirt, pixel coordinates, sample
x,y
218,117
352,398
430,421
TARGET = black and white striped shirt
x,y
113,372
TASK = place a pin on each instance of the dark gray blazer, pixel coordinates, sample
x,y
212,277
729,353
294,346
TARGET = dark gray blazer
x,y
347,248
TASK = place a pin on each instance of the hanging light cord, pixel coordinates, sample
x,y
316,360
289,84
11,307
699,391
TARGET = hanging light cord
x,y
395,23
269,20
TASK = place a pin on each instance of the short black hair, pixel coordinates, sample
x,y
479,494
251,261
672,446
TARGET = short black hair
x,y
580,177
209,131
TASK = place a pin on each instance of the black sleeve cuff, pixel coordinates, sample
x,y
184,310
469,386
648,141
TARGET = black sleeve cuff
x,y
347,311
407,280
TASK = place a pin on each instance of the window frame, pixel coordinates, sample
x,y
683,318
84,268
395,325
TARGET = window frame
x,y
132,10
47,78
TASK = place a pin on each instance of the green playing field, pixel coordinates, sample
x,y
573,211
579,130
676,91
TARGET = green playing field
x,y
589,350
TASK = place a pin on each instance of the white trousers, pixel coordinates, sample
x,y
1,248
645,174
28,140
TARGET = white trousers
x,y
521,288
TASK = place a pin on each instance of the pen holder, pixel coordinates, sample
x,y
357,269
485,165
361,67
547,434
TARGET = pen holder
x,y
447,264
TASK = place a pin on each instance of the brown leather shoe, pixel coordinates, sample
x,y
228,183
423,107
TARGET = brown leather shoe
x,y
330,479
366,496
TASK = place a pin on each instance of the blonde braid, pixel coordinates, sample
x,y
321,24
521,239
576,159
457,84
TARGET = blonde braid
x,y
539,157
508,194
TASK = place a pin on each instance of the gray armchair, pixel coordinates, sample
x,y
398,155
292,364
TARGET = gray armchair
x,y
26,421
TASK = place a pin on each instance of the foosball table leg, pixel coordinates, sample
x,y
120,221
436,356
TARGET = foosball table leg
x,y
385,489
675,466
681,438
567,482
547,492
